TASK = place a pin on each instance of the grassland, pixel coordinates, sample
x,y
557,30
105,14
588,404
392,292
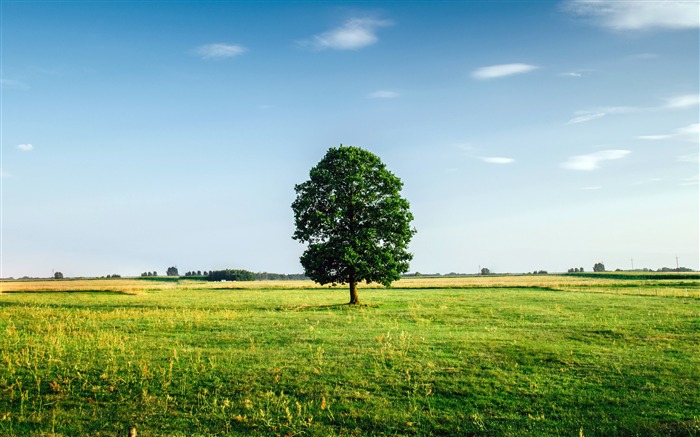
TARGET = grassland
x,y
530,355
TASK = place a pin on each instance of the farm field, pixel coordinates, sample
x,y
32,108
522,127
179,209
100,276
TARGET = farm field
x,y
497,355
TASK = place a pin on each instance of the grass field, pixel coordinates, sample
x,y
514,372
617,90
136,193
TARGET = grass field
x,y
511,355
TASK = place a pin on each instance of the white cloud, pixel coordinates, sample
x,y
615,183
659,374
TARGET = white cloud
x,y
383,94
688,133
502,70
355,34
219,51
25,147
648,181
592,161
638,15
679,102
498,160
572,74
4,174
584,116
672,103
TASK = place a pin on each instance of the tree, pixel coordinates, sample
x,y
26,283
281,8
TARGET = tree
x,y
231,275
598,267
172,271
357,225
58,275
485,271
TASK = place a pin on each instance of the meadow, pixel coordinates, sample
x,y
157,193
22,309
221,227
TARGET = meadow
x,y
499,355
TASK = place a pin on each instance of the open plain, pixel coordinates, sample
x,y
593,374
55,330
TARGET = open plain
x,y
595,355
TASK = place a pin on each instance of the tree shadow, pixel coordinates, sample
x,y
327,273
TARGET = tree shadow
x,y
337,306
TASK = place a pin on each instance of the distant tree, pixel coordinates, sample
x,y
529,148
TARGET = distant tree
x,y
172,271
154,273
485,271
354,219
231,275
598,267
58,275
199,273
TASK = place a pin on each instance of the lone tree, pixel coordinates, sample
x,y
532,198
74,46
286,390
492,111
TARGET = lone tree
x,y
356,223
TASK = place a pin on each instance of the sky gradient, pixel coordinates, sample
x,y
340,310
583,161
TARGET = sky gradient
x,y
529,135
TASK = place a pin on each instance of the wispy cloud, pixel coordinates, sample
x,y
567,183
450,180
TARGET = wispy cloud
x,y
588,115
676,102
497,160
687,133
648,181
684,101
579,72
355,34
25,147
638,15
592,161
584,116
383,94
13,84
4,174
218,51
502,70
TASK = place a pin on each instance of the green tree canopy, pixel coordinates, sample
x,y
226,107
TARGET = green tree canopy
x,y
354,219
231,275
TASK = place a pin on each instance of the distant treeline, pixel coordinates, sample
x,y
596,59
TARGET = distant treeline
x,y
641,274
265,276
242,275
230,275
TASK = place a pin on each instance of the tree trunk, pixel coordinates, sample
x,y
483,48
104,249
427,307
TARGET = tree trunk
x,y
354,300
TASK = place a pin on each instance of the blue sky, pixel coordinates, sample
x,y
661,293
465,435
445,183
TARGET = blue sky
x,y
529,135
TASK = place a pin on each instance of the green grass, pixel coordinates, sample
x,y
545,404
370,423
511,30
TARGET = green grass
x,y
475,361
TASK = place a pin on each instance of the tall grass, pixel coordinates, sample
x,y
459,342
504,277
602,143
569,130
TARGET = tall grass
x,y
197,359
